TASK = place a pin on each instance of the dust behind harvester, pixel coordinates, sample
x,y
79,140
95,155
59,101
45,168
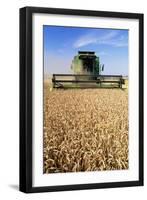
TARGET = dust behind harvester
x,y
87,70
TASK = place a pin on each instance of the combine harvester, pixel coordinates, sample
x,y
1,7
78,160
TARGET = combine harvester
x,y
87,70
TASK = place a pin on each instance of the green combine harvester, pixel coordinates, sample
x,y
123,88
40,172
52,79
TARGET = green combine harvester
x,y
87,70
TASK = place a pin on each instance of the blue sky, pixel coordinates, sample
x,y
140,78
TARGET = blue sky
x,y
61,44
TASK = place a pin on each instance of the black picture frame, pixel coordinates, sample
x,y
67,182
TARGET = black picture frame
x,y
26,97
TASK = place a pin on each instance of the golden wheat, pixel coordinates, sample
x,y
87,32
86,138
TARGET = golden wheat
x,y
85,130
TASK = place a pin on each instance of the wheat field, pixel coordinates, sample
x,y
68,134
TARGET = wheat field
x,y
85,130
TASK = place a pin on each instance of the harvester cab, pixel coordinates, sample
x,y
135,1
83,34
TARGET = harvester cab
x,y
86,62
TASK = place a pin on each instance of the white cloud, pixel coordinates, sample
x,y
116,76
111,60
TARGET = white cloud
x,y
102,53
113,38
85,40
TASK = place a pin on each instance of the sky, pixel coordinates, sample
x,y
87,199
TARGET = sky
x,y
61,44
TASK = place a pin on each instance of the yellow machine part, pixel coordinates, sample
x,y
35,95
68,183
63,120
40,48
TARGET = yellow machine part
x,y
125,86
